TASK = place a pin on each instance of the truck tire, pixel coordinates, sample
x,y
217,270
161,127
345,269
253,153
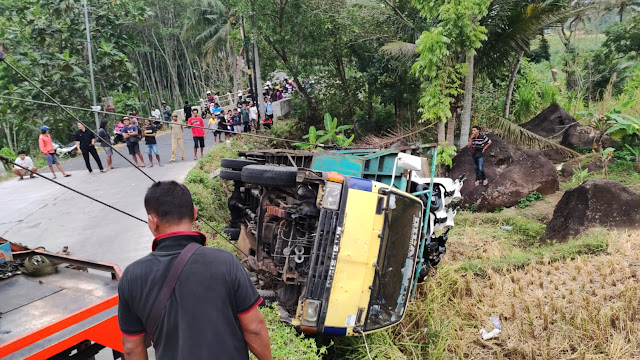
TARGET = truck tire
x,y
231,175
267,175
236,164
232,233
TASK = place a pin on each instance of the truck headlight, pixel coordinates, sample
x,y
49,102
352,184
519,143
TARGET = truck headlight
x,y
332,192
311,311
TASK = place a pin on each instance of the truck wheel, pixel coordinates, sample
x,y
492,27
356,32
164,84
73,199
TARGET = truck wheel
x,y
236,164
233,233
230,175
267,175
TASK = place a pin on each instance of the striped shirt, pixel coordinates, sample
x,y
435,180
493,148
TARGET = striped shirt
x,y
478,143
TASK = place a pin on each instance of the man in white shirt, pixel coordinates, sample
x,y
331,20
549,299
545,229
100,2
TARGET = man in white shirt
x,y
155,114
24,162
253,115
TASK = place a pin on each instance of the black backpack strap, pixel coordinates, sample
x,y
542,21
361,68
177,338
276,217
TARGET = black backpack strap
x,y
161,301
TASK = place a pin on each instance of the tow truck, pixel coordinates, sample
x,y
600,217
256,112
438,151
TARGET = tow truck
x,y
339,238
55,306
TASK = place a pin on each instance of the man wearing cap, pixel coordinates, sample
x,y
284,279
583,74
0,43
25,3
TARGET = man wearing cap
x,y
130,134
24,165
46,148
176,137
166,111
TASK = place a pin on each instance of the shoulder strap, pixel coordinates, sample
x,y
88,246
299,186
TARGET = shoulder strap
x,y
161,301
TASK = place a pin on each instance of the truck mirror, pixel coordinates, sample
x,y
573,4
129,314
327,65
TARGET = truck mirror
x,y
409,162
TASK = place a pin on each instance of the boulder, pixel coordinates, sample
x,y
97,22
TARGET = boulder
x,y
512,173
550,122
593,162
594,203
579,136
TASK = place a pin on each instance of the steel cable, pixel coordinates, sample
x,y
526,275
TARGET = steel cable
x,y
8,161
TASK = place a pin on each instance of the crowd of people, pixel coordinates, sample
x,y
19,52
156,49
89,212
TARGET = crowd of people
x,y
131,130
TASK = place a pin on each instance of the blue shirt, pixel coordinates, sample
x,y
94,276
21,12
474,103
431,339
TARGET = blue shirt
x,y
130,129
216,109
268,107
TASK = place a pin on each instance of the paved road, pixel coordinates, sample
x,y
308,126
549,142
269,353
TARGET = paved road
x,y
36,212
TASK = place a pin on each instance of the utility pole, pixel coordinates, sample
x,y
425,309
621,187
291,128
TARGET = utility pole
x,y
89,51
256,66
245,46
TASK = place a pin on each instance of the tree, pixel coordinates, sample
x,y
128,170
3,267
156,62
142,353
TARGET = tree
x,y
441,48
511,26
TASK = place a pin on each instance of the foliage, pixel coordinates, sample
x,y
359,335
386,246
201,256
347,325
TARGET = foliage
x,y
446,153
530,199
45,39
580,174
541,53
10,154
286,342
605,156
455,32
332,133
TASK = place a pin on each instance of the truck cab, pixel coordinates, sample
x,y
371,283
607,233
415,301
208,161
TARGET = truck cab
x,y
339,253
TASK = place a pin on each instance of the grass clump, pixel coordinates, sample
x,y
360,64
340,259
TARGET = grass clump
x,y
530,199
590,244
210,195
286,343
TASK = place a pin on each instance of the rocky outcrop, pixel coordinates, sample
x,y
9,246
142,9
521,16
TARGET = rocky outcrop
x,y
594,203
555,123
593,162
512,173
579,136
550,122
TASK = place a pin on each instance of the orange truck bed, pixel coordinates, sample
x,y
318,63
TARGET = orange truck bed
x,y
68,312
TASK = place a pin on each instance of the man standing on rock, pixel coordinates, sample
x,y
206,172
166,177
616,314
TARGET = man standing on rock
x,y
478,143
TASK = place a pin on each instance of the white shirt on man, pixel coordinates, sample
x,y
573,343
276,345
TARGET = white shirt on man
x,y
253,113
27,163
156,114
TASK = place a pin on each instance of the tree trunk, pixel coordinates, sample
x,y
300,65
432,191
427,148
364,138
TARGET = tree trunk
x,y
512,82
441,132
465,122
451,129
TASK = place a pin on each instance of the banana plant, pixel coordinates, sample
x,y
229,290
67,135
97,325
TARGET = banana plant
x,y
332,132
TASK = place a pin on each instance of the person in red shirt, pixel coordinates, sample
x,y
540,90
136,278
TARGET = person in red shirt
x,y
198,133
46,148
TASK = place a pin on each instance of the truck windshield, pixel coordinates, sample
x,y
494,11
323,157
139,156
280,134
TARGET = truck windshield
x,y
394,275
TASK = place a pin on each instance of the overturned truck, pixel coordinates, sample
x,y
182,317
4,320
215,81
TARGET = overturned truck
x,y
339,238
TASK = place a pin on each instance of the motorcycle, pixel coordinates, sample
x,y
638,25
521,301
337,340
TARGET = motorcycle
x,y
69,149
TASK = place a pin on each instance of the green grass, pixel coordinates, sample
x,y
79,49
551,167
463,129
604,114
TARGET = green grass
x,y
591,244
524,233
286,343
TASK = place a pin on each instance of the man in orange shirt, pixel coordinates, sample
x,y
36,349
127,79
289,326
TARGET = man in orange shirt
x,y
46,147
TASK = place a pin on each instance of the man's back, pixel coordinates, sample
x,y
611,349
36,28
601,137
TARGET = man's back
x,y
200,319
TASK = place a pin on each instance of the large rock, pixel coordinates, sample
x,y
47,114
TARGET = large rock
x,y
550,122
555,123
579,136
593,162
512,173
594,203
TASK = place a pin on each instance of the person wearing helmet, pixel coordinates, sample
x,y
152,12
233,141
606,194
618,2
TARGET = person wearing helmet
x,y
210,97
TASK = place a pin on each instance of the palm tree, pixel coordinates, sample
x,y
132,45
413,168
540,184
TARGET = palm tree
x,y
623,5
212,24
512,25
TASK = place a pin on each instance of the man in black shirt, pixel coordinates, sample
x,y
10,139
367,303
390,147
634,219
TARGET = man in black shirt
x,y
150,131
187,110
212,311
85,144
